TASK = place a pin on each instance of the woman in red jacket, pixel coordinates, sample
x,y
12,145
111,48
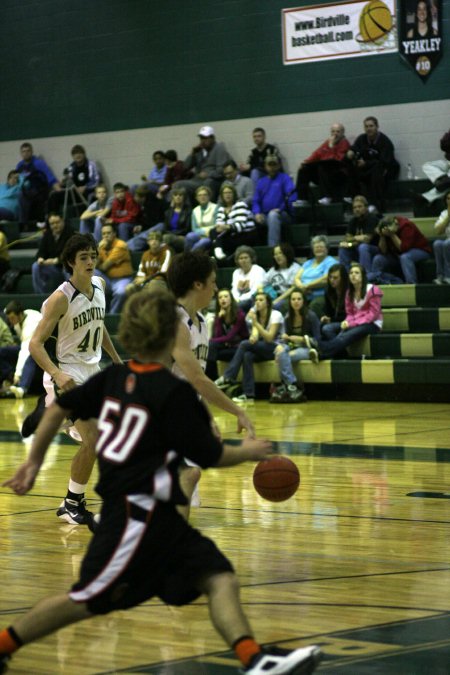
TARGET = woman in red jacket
x,y
363,314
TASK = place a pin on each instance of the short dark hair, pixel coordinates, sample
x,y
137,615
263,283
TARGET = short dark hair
x,y
230,162
11,173
159,152
187,268
260,129
77,242
120,186
78,149
26,144
171,155
14,307
374,119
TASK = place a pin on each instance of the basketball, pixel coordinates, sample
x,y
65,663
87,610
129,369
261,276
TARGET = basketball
x,y
276,479
375,21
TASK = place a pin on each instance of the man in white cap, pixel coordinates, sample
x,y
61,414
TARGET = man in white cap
x,y
205,163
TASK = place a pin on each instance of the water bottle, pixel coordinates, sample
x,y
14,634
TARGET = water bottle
x,y
409,172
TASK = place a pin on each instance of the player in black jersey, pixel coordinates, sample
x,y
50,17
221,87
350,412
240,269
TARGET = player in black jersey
x,y
143,547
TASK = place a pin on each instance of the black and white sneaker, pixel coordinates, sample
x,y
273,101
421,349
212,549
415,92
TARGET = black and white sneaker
x,y
76,513
4,658
278,661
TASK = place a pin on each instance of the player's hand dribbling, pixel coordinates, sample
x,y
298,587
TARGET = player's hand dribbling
x,y
256,449
23,479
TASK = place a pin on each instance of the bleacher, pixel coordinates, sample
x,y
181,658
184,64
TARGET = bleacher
x,y
408,360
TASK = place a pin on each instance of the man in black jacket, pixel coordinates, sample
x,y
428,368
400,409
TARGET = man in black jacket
x,y
47,271
372,164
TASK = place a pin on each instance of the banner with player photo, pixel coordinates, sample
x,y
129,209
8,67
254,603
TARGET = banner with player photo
x,y
420,34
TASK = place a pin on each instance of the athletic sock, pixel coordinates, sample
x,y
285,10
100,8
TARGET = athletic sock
x,y
246,649
74,496
9,641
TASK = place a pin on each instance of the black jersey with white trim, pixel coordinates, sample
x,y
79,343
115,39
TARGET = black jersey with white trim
x,y
148,421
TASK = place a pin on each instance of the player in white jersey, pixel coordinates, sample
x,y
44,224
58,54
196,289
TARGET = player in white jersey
x,y
76,310
192,279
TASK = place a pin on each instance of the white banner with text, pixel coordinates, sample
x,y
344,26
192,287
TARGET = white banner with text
x,y
339,30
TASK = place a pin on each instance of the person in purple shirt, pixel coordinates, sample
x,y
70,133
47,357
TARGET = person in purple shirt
x,y
39,180
273,199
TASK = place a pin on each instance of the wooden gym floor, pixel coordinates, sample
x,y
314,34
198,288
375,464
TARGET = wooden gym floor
x,y
357,561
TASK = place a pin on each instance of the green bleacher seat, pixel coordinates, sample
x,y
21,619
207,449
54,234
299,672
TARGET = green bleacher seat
x,y
264,256
224,277
28,300
11,229
24,284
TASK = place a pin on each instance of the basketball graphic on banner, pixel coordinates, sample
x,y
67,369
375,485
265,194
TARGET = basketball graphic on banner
x,y
375,22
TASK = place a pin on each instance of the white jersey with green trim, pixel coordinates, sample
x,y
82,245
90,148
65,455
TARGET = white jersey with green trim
x,y
80,331
198,332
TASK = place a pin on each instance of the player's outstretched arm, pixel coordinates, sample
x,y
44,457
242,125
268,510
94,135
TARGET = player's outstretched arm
x,y
108,346
23,479
186,361
250,450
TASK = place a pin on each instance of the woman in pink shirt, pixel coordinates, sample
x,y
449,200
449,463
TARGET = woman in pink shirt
x,y
363,315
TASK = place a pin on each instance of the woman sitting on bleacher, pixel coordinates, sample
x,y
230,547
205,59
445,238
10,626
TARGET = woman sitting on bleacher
x,y
229,329
312,276
247,277
266,325
441,247
334,310
301,333
202,220
280,278
234,224
363,315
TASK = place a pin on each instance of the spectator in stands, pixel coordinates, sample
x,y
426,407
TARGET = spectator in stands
x,y
234,223
372,164
151,217
47,271
244,186
125,212
4,254
24,322
401,245
205,163
177,220
441,247
229,329
334,309
81,177
280,279
301,333
273,200
91,218
313,274
36,188
266,326
248,277
175,171
360,240
438,171
256,163
11,196
326,167
202,220
157,176
363,315
114,265
154,263
7,357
